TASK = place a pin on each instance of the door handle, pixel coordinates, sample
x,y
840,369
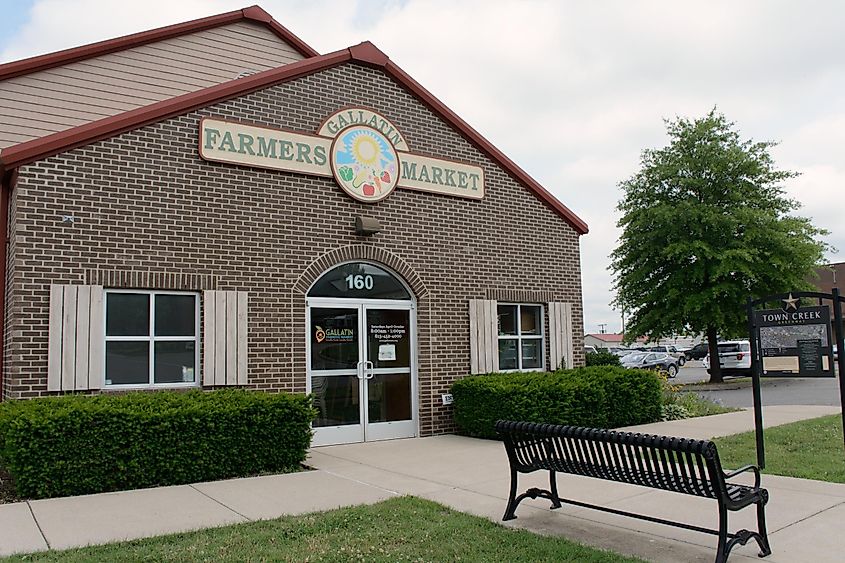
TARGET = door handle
x,y
369,373
358,372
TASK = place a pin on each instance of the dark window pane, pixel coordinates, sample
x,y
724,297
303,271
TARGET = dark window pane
x,y
336,400
389,397
334,338
175,315
529,319
507,354
127,314
174,362
127,363
389,338
531,353
359,280
507,319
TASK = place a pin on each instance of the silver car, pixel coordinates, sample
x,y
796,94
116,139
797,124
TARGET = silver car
x,y
660,361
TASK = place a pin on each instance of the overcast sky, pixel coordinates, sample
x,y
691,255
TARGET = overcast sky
x,y
571,91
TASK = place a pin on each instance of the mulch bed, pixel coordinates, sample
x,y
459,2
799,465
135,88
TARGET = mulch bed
x,y
7,490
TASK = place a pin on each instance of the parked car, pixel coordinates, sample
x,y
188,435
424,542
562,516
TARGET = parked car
x,y
651,360
734,357
672,351
590,350
697,352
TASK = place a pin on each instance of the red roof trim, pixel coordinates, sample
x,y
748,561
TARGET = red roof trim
x,y
365,53
253,13
36,149
486,147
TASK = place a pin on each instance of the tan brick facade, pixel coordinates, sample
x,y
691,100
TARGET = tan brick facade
x,y
150,213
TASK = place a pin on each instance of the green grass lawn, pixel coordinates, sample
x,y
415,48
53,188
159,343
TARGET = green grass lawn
x,y
400,529
809,449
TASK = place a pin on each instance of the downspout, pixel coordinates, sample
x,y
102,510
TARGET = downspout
x,y
6,184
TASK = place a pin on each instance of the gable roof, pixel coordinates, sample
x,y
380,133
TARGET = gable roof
x,y
606,337
365,53
253,13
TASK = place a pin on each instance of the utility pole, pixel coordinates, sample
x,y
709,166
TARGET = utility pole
x,y
602,328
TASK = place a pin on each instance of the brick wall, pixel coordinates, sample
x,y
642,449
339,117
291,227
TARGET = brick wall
x,y
144,202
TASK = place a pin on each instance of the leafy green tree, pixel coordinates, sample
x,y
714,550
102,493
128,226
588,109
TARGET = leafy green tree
x,y
705,224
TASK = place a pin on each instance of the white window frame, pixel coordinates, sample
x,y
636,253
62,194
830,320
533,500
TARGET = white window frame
x,y
519,337
152,339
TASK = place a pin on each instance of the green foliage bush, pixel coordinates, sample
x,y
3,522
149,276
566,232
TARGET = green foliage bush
x,y
598,397
72,445
672,411
602,358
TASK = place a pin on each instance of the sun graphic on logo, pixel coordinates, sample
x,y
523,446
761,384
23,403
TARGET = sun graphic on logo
x,y
365,149
364,163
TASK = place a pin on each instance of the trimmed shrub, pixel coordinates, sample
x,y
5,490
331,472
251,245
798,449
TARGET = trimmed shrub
x,y
602,358
73,445
597,397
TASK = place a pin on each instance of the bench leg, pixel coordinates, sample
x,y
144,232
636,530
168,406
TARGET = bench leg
x,y
553,486
532,493
722,549
762,537
743,536
510,511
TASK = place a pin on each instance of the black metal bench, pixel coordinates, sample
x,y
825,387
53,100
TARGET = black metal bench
x,y
680,465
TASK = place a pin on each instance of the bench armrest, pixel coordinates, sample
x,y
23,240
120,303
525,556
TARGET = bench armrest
x,y
743,469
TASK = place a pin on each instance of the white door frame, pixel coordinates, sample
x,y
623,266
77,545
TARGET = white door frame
x,y
364,431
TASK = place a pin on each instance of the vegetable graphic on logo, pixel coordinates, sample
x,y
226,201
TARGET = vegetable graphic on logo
x,y
346,173
365,164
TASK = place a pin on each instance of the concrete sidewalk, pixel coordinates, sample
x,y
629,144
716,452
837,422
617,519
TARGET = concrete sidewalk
x,y
469,475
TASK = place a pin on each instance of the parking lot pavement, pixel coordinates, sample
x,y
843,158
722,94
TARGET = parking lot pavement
x,y
691,372
737,392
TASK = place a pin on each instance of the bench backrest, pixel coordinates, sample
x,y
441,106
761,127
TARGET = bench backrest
x,y
674,464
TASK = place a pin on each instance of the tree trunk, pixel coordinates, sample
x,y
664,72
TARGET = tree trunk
x,y
713,350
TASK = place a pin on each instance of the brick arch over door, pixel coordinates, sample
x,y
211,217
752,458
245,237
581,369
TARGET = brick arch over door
x,y
363,252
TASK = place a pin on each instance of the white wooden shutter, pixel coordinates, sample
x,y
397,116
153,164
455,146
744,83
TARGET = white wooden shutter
x,y
76,341
224,338
560,335
483,336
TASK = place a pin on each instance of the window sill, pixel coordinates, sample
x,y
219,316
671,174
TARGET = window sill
x,y
149,387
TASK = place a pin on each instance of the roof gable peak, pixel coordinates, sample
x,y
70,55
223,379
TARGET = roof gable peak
x,y
363,53
252,13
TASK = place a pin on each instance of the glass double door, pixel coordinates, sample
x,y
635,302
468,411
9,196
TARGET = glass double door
x,y
360,370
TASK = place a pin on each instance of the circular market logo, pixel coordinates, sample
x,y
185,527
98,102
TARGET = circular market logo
x,y
364,163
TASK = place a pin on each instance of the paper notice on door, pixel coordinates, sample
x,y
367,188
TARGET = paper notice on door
x,y
387,352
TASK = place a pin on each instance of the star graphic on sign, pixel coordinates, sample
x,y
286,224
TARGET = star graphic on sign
x,y
790,303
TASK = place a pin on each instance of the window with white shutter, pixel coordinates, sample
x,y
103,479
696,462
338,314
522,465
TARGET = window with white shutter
x,y
75,355
224,338
560,335
151,338
483,339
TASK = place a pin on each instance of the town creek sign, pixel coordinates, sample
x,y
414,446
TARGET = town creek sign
x,y
364,152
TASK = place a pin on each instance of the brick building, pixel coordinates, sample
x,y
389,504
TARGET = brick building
x,y
216,204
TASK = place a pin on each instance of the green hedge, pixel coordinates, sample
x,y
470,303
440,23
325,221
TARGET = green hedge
x,y
602,358
598,397
73,445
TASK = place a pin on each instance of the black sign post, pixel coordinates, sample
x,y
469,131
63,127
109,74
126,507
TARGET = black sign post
x,y
755,385
793,342
840,353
